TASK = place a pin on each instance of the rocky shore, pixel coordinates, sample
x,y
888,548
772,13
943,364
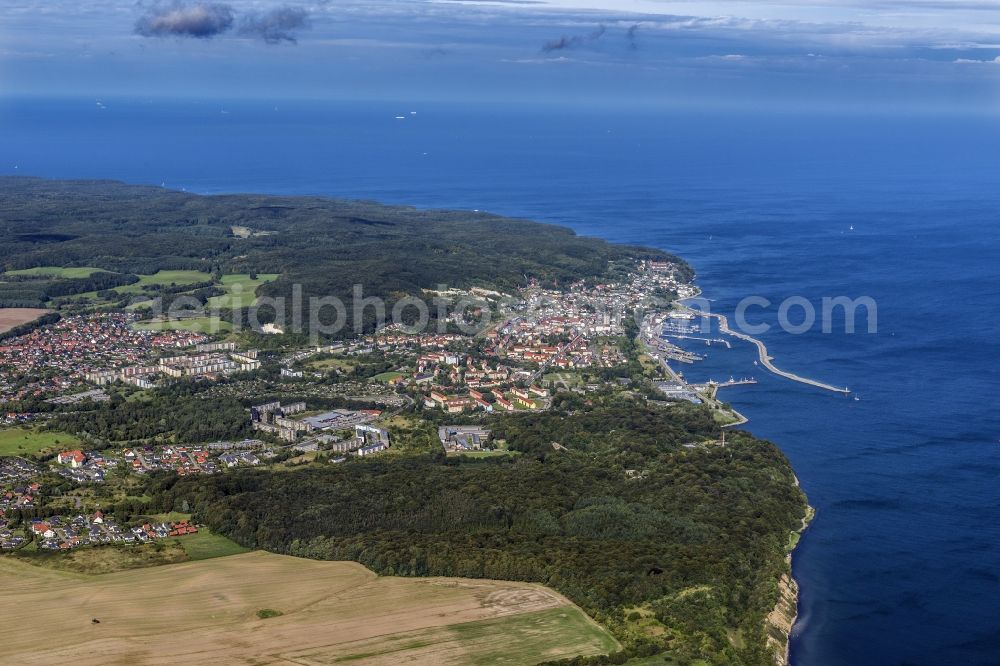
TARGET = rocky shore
x,y
782,617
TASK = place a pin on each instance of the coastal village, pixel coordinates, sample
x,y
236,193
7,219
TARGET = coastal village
x,y
541,342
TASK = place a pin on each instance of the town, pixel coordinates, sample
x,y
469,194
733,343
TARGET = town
x,y
542,342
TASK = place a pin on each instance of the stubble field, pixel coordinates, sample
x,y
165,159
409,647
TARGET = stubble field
x,y
11,317
331,612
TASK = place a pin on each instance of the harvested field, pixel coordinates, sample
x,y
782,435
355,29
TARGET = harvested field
x,y
330,612
11,317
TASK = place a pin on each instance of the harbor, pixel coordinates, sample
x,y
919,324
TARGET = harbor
x,y
662,334
766,359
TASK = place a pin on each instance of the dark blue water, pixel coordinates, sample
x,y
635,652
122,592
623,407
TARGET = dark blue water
x,y
901,565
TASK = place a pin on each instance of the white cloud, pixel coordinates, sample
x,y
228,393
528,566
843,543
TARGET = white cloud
x,y
972,61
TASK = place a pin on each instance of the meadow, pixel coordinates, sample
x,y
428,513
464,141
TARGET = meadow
x,y
165,278
58,271
240,290
25,441
206,544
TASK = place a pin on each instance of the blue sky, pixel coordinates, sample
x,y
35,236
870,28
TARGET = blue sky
x,y
853,55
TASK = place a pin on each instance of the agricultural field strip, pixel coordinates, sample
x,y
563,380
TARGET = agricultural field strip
x,y
324,603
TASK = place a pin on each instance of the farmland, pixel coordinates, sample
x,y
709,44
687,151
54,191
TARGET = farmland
x,y
12,317
316,613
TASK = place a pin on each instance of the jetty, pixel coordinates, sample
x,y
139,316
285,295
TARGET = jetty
x,y
707,341
765,358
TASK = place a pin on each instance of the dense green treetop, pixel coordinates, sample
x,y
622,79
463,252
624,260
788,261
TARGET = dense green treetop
x,y
326,245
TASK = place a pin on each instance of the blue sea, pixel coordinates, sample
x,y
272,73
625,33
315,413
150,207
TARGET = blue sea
x,y
901,565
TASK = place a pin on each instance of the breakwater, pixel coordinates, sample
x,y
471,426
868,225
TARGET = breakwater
x,y
766,359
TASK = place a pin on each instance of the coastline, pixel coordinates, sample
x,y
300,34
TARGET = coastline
x,y
780,622
788,592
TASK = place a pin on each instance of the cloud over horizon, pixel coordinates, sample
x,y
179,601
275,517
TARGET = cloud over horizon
x,y
205,20
275,26
178,19
427,48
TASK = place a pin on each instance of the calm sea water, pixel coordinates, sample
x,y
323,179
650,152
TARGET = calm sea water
x,y
901,565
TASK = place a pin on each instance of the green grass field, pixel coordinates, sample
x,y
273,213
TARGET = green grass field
x,y
165,278
56,271
194,324
240,290
526,638
139,305
387,376
205,545
24,441
723,416
566,378
345,364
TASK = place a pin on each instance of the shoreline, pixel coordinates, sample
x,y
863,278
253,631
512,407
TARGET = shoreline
x,y
784,615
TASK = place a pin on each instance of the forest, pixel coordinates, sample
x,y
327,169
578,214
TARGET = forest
x,y
325,245
672,547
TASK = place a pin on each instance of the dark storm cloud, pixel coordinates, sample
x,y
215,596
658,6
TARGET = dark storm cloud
x,y
275,26
179,19
573,41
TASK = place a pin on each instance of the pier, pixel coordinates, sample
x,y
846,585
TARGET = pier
x,y
708,341
765,358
